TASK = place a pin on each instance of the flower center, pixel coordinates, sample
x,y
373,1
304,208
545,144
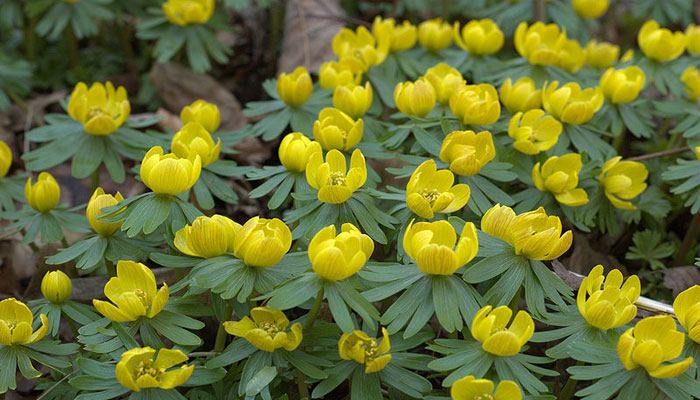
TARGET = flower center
x,y
370,348
336,179
270,327
142,296
146,368
483,397
96,112
12,324
430,195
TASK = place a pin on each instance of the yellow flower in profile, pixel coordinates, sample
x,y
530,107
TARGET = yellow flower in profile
x,y
339,257
521,96
613,305
203,112
101,109
44,194
359,48
601,54
652,341
365,350
401,37
56,286
559,176
590,8
479,36
622,85
334,182
476,104
295,150
98,201
335,129
333,74
540,44
444,80
133,292
207,237
571,104
435,34
430,191
262,242
533,131
5,158
467,152
490,327
138,370
16,324
659,43
533,234
168,174
692,35
185,12
572,56
687,309
432,246
691,78
353,100
623,180
469,388
194,138
295,88
266,330
415,98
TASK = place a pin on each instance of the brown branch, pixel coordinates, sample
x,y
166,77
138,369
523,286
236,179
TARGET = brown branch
x,y
659,154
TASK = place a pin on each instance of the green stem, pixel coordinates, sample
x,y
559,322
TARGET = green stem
x,y
221,333
30,39
95,183
111,271
445,9
73,49
32,245
568,390
515,301
301,385
314,310
688,240
619,140
73,328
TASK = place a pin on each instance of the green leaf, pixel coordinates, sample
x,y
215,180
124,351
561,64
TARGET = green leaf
x,y
365,386
336,376
88,156
8,361
203,196
234,352
362,307
339,310
127,339
490,267
204,376
305,363
95,368
282,192
173,332
405,381
260,380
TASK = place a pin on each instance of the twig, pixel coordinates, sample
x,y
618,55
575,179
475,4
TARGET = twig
x,y
340,18
659,154
304,34
538,10
690,237
55,385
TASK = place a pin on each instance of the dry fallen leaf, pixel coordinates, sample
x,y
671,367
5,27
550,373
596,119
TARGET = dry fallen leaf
x,y
680,278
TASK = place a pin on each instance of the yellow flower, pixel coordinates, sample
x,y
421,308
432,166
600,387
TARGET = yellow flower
x,y
133,292
613,305
98,201
101,109
652,341
335,129
467,152
16,324
194,138
489,328
601,54
571,104
521,96
533,234
353,100
333,74
687,309
590,8
469,388
137,370
338,257
430,191
334,182
295,151
691,78
622,85
572,56
5,158
444,79
540,44
627,55
476,104
184,12
479,36
415,98
359,48
295,88
435,34
168,174
533,131
56,286
207,237
623,180
660,44
266,330
692,34
203,112
262,242
44,194
559,176
401,37
365,350
432,246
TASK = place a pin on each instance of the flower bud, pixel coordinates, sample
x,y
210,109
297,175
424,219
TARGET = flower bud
x,y
98,201
295,151
336,130
339,257
415,98
333,74
401,37
185,12
207,237
660,44
56,286
470,388
691,78
611,306
686,306
295,88
353,100
571,104
5,158
479,36
692,34
533,131
590,8
601,54
622,85
194,139
435,34
432,246
521,96
101,109
476,104
205,113
444,79
559,176
43,195
262,242
540,44
467,152
359,48
168,174
623,180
